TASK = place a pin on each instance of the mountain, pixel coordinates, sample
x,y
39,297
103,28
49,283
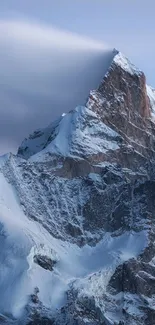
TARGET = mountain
x,y
77,212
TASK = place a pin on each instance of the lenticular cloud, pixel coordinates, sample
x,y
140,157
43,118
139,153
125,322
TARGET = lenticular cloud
x,y
43,73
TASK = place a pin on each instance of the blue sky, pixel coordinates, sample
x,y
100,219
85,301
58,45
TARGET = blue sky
x,y
47,64
127,25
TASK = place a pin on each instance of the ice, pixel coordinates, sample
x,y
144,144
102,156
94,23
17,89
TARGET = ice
x,y
104,164
95,177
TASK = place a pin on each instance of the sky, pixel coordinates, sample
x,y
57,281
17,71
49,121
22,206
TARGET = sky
x,y
52,52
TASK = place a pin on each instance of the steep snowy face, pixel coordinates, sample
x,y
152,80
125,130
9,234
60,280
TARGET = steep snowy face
x,y
77,212
79,133
151,96
125,64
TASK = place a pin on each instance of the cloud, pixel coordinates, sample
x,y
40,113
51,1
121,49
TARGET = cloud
x,y
43,72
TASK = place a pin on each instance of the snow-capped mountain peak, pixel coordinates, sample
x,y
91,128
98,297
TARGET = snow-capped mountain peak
x,y
82,131
124,63
77,212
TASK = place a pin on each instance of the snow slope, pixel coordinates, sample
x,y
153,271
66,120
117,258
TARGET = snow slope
x,y
125,63
78,133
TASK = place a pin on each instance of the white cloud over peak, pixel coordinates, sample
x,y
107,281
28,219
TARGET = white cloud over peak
x,y
43,72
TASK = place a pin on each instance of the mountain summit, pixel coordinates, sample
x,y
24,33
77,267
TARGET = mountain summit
x,y
120,110
77,220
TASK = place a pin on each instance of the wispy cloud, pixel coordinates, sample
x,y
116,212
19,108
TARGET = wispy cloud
x,y
43,72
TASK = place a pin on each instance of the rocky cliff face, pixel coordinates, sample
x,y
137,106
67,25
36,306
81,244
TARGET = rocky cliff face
x,y
123,103
77,221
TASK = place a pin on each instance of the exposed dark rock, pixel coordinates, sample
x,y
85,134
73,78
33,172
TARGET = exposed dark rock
x,y
34,296
44,261
41,321
122,102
